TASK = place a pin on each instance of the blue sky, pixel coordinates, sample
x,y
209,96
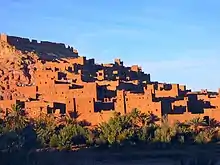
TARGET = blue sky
x,y
177,41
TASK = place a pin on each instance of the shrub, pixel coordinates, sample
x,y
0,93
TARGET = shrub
x,y
116,130
165,132
72,134
204,136
45,128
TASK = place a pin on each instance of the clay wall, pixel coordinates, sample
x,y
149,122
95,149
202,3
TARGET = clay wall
x,y
100,75
214,113
172,118
142,102
97,118
167,90
51,48
182,87
180,106
27,91
211,101
3,37
57,66
108,65
104,106
135,87
118,62
149,88
111,85
78,60
85,105
36,108
139,101
120,105
45,77
88,90
135,68
7,104
75,78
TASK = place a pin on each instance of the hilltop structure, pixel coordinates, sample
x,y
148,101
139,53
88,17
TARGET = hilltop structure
x,y
50,78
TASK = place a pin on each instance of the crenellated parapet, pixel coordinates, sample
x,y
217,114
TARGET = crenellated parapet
x,y
45,49
3,37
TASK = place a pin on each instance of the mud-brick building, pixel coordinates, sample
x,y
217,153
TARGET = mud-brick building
x,y
51,78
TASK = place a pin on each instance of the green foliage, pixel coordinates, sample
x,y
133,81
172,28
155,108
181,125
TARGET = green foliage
x,y
14,131
195,123
165,132
69,135
17,132
116,130
205,136
16,119
45,128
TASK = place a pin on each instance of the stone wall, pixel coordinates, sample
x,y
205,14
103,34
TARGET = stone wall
x,y
45,50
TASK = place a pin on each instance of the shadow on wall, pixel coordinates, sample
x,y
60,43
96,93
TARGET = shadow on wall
x,y
104,106
46,50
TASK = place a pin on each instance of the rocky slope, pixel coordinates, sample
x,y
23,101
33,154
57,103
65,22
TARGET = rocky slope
x,y
16,68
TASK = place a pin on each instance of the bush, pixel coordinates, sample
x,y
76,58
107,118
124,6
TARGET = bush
x,y
72,134
45,128
117,130
204,136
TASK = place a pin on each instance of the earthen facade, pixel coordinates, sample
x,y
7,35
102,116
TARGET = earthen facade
x,y
53,79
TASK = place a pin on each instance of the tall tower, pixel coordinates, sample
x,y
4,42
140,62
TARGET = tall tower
x,y
3,37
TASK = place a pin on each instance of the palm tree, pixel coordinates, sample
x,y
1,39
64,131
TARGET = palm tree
x,y
165,132
135,116
150,119
45,127
74,115
16,119
195,123
145,119
213,123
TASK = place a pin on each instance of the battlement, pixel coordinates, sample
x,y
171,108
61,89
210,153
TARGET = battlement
x,y
3,37
45,49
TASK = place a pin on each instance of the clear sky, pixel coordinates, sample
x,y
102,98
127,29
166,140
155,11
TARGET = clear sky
x,y
177,41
